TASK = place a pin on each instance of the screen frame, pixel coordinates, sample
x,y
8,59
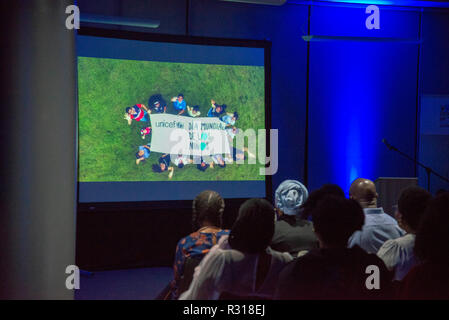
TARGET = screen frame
x,y
181,39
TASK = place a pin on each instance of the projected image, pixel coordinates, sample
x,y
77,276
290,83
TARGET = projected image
x,y
129,112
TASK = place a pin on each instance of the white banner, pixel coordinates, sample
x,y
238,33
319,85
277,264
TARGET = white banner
x,y
188,136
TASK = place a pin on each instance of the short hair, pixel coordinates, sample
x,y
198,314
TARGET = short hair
x,y
127,109
330,188
335,219
180,95
137,155
254,228
207,206
412,204
157,168
316,195
202,168
432,237
181,165
236,115
196,108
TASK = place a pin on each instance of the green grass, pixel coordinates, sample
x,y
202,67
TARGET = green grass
x,y
107,144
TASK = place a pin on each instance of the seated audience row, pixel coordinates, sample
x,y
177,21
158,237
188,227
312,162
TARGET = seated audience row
x,y
317,246
242,264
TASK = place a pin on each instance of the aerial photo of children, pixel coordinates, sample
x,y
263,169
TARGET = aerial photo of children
x,y
116,146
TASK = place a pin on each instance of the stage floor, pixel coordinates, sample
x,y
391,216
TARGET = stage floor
x,y
129,284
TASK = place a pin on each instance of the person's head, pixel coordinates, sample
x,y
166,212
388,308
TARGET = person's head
x,y
289,196
240,156
180,161
161,167
221,162
335,219
180,97
364,192
254,228
157,104
195,109
432,236
218,109
316,196
412,204
202,166
128,110
332,189
208,207
140,154
235,116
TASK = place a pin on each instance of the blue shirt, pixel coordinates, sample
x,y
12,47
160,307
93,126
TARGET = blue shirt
x,y
146,152
165,160
378,228
179,105
228,119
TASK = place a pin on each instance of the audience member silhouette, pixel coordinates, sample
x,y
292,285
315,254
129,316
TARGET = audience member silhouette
x,y
292,233
208,207
430,278
379,226
242,264
334,271
398,253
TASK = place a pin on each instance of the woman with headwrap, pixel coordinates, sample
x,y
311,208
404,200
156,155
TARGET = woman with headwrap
x,y
292,233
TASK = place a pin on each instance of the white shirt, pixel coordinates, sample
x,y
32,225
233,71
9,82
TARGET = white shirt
x,y
378,228
179,158
227,270
398,255
217,157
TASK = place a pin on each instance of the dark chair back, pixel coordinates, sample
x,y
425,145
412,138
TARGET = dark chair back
x,y
231,296
189,269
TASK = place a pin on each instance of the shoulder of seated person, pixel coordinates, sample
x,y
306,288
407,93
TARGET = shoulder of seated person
x,y
282,255
397,243
389,244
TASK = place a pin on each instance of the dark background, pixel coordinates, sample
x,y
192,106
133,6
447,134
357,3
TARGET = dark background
x,y
332,101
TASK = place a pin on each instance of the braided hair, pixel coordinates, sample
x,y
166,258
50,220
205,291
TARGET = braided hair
x,y
207,206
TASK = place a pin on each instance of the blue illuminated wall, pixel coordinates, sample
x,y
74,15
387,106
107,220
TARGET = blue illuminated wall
x,y
361,92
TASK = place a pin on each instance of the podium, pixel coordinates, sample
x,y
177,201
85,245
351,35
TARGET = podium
x,y
389,190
